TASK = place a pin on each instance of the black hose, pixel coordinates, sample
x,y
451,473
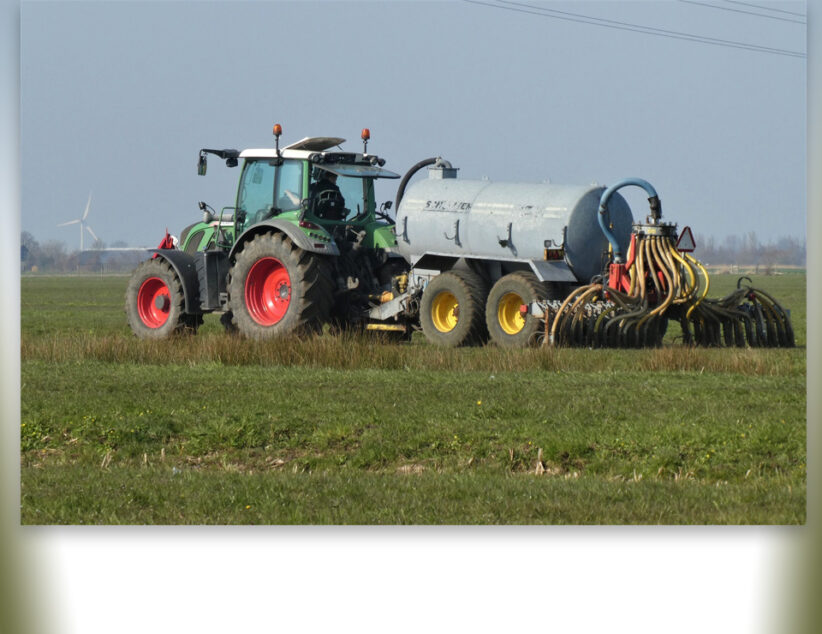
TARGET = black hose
x,y
404,182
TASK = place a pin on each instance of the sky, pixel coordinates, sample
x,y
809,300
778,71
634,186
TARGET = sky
x,y
118,97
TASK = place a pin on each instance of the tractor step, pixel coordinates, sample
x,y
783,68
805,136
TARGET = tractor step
x,y
386,327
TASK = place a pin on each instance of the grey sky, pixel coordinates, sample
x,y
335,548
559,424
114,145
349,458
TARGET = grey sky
x,y
118,97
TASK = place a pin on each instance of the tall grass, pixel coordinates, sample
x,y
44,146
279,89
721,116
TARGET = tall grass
x,y
82,319
347,351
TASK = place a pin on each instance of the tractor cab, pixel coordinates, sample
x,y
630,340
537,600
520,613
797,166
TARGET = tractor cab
x,y
307,184
327,195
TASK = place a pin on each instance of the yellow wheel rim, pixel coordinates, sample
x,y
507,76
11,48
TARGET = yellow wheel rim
x,y
510,319
445,312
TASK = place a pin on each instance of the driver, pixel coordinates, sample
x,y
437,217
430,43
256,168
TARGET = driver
x,y
326,197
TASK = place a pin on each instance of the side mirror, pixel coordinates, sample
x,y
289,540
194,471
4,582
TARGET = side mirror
x,y
202,164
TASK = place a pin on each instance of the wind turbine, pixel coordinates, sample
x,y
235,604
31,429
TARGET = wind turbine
x,y
83,225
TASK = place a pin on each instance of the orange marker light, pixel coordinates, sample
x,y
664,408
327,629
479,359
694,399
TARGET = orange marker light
x,y
366,134
278,129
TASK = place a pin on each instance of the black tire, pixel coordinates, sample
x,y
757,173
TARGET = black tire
x,y
228,323
276,289
155,304
506,325
451,310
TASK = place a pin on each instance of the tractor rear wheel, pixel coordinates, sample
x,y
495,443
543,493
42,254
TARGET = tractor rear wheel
x,y
277,289
451,310
507,325
155,304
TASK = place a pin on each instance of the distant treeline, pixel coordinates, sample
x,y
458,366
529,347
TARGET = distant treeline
x,y
744,250
54,257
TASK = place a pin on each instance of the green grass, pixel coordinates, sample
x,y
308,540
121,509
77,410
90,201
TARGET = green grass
x,y
216,429
154,495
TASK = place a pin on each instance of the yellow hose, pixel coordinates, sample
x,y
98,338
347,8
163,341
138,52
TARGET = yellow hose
x,y
560,312
632,256
669,298
683,286
646,245
661,246
707,284
693,285
640,268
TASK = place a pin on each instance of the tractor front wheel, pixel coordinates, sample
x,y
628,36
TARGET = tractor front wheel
x,y
155,304
277,289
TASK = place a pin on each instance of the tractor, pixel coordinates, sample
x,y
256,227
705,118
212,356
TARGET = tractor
x,y
304,245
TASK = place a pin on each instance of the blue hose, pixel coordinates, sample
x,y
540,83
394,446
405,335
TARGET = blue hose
x,y
653,199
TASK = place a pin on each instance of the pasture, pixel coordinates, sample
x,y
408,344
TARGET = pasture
x,y
214,429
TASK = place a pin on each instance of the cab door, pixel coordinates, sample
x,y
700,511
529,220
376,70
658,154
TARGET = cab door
x,y
268,188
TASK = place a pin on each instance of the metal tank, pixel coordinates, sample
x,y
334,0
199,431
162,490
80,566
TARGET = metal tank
x,y
510,222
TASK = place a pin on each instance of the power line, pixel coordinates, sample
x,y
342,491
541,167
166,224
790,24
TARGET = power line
x,y
636,28
760,15
663,32
759,6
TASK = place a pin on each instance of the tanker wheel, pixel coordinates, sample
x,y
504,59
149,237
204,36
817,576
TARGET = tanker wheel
x,y
451,310
277,289
155,304
507,325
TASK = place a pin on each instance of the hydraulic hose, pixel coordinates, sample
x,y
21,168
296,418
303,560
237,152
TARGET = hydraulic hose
x,y
416,168
653,200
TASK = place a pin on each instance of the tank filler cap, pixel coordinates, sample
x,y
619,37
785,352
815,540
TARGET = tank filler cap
x,y
442,169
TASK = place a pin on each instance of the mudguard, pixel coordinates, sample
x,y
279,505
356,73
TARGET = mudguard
x,y
296,234
185,268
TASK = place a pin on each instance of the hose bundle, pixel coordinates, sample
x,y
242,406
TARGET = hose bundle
x,y
633,306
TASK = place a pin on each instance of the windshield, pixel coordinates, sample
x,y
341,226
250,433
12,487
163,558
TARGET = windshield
x,y
338,197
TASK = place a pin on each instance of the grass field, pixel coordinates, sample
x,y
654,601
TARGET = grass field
x,y
214,429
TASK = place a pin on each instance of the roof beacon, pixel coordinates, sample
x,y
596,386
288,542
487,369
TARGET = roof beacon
x,y
278,130
366,135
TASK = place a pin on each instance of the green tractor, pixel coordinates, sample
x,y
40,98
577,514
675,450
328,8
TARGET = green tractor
x,y
304,245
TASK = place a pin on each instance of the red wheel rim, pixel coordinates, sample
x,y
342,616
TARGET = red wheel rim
x,y
267,291
153,302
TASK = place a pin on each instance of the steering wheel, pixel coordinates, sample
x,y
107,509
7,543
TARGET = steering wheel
x,y
326,203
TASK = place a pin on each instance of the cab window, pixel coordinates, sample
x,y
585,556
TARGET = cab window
x,y
256,192
289,188
357,194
